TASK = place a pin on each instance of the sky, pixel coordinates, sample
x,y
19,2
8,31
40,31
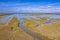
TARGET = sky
x,y
29,6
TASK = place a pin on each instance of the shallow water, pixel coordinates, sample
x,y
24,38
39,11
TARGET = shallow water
x,y
20,16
